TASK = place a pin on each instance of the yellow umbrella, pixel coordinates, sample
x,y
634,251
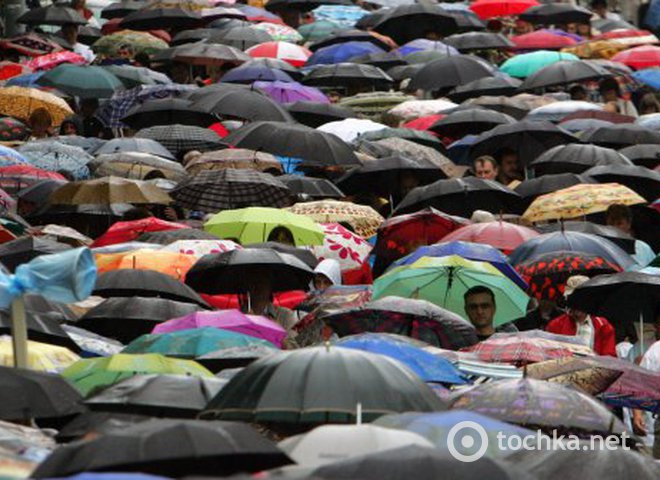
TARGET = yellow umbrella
x,y
579,200
20,102
109,190
363,219
41,356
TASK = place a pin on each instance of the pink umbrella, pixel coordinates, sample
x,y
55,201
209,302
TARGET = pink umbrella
x,y
52,60
340,244
233,320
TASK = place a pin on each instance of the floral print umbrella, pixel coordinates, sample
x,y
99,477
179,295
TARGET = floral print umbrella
x,y
340,244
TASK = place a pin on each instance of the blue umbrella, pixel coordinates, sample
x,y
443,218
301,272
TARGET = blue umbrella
x,y
9,156
648,76
342,52
423,44
471,251
427,366
345,16
55,156
29,80
459,151
251,74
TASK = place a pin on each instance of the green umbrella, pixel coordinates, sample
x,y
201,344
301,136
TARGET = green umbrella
x,y
192,343
139,41
445,280
320,30
524,65
254,224
82,81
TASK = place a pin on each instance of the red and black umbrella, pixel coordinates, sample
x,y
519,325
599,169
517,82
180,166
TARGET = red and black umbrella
x,y
547,274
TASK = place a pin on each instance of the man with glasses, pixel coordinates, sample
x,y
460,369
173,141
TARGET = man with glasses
x,y
480,308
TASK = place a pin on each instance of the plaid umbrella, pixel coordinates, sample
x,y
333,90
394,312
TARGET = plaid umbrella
x,y
518,351
180,139
55,156
211,191
20,102
364,220
547,274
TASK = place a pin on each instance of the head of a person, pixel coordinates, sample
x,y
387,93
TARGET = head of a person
x,y
480,306
521,27
572,283
40,122
125,51
326,274
649,104
281,235
609,90
584,30
571,28
619,216
578,92
485,167
509,164
599,7
70,33
70,126
88,107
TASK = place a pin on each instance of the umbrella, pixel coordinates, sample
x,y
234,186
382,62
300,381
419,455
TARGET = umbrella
x,y
623,240
415,136
231,320
254,225
346,378
82,81
572,242
528,138
471,121
449,72
445,280
140,41
126,318
404,23
518,351
209,54
240,37
564,72
575,158
136,165
53,156
248,74
318,30
301,253
645,56
121,232
176,396
42,357
642,180
342,52
543,39
168,447
491,86
524,65
141,145
293,54
363,219
556,14
200,247
294,140
52,15
24,249
171,263
41,327
167,111
288,92
20,102
466,42
30,44
620,135
180,139
311,188
347,75
498,8
351,128
109,190
51,60
167,237
12,130
351,35
532,188
210,191
344,246
461,196
645,155
121,9
238,158
145,283
232,271
156,18
580,200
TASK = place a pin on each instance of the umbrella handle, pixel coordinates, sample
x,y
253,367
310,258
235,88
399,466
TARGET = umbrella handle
x,y
19,333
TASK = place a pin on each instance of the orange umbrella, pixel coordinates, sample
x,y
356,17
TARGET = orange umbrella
x,y
170,263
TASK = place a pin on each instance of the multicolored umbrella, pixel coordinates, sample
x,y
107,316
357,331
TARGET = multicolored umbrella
x,y
518,350
339,243
139,41
12,130
280,33
52,60
20,102
586,374
363,219
504,236
289,52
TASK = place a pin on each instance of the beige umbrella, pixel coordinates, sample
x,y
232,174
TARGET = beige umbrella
x,y
20,102
109,190
363,219
232,158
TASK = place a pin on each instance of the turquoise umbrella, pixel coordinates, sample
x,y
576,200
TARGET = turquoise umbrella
x,y
192,343
319,30
522,66
82,81
443,281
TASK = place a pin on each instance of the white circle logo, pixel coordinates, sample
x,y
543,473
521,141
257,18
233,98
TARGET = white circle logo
x,y
467,441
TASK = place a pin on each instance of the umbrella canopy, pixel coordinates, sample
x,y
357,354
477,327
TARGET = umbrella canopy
x,y
342,52
518,351
41,357
555,14
121,232
109,190
288,92
167,111
646,155
532,188
180,139
623,240
526,64
620,135
41,327
315,114
82,81
311,188
254,225
347,74
498,8
564,72
645,56
156,18
167,237
20,102
466,42
363,220
257,394
51,15
641,180
449,72
404,23
22,250
575,158
472,121
344,246
140,145
209,54
491,86
292,54
542,39
168,447
171,263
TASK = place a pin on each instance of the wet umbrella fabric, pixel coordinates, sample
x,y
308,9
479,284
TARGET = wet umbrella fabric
x,y
575,158
449,72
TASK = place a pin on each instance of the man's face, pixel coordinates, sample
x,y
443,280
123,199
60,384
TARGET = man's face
x,y
485,170
620,223
509,165
480,309
578,316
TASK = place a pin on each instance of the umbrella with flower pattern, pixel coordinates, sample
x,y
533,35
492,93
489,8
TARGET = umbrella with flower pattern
x,y
340,244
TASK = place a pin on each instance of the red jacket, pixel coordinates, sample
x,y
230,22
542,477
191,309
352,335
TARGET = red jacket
x,y
604,343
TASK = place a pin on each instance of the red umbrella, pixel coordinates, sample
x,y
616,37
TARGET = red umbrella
x,y
504,236
518,350
16,177
542,39
628,36
501,8
639,57
423,123
122,232
400,235
52,60
11,69
289,52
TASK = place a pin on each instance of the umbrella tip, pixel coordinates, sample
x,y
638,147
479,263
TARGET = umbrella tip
x,y
327,346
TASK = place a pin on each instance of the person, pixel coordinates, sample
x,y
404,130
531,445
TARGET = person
x,y
81,7
649,104
70,34
326,274
480,308
71,125
601,11
578,93
92,126
281,235
538,318
620,217
611,94
597,332
485,167
41,123
508,167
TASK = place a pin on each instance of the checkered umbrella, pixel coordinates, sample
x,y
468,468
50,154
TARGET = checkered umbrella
x,y
519,351
180,139
211,191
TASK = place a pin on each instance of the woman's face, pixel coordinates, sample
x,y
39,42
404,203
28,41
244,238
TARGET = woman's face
x,y
321,282
70,129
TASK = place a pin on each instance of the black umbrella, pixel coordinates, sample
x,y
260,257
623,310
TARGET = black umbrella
x,y
121,9
166,112
461,196
528,138
342,379
144,283
417,136
239,102
214,190
88,219
166,237
173,396
382,60
472,121
623,240
192,36
620,135
22,250
368,21
450,72
408,22
39,192
576,158
532,188
511,106
180,139
645,155
41,327
301,5
158,18
234,357
275,63
563,73
347,74
88,35
233,272
605,25
466,42
26,395
51,15
310,187
143,145
206,54
126,318
302,254
292,140
403,72
642,180
385,175
556,14
168,447
315,114
96,423
133,77
349,35
241,37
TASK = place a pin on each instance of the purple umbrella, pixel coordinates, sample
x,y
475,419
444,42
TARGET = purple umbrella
x,y
233,320
423,44
289,92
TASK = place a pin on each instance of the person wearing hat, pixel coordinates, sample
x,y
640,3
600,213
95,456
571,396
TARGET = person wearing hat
x,y
596,332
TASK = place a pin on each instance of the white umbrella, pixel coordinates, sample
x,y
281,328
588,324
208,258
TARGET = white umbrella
x,y
350,128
